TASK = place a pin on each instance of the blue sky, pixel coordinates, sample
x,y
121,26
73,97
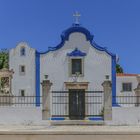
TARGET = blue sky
x,y
115,24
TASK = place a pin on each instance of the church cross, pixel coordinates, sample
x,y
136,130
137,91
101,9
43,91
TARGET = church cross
x,y
77,16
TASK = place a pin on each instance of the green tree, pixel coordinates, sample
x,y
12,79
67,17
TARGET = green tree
x,y
4,58
119,69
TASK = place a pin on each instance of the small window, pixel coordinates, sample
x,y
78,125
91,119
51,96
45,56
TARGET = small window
x,y
22,93
127,87
22,70
46,76
76,66
22,51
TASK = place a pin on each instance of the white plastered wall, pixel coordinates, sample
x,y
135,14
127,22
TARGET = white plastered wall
x,y
26,81
123,96
97,64
125,79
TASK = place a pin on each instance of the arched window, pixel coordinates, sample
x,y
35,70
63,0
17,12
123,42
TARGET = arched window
x,y
22,51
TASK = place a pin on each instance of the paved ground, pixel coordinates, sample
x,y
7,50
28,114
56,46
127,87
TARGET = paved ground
x,y
28,132
28,129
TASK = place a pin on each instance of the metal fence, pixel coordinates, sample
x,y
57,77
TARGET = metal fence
x,y
93,103
6,100
127,101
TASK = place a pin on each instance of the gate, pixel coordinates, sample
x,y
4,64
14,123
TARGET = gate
x,y
77,104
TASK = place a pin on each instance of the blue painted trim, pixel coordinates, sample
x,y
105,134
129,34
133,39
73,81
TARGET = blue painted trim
x,y
76,53
96,118
37,79
65,35
57,119
116,105
104,49
77,28
113,80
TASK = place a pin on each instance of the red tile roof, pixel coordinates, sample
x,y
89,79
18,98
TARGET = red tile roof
x,y
126,74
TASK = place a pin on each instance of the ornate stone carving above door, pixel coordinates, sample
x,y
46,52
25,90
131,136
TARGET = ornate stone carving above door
x,y
76,85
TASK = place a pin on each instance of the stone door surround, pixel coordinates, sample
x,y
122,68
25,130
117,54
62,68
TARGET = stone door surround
x,y
76,85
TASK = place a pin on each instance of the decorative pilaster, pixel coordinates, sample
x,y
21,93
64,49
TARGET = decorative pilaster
x,y
107,100
46,86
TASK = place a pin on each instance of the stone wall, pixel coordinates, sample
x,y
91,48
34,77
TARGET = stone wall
x,y
125,116
22,115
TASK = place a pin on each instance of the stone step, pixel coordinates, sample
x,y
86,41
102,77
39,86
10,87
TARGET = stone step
x,y
77,122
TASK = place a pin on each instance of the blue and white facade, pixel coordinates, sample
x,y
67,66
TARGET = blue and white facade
x,y
31,66
24,69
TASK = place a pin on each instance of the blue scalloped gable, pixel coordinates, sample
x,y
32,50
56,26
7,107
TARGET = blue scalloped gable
x,y
65,36
76,53
77,28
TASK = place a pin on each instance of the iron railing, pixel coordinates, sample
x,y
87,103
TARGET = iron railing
x,y
127,101
93,103
8,100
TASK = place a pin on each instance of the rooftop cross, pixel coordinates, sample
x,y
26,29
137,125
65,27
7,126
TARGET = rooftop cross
x,y
77,16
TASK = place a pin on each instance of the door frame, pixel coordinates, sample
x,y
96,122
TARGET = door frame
x,y
79,107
